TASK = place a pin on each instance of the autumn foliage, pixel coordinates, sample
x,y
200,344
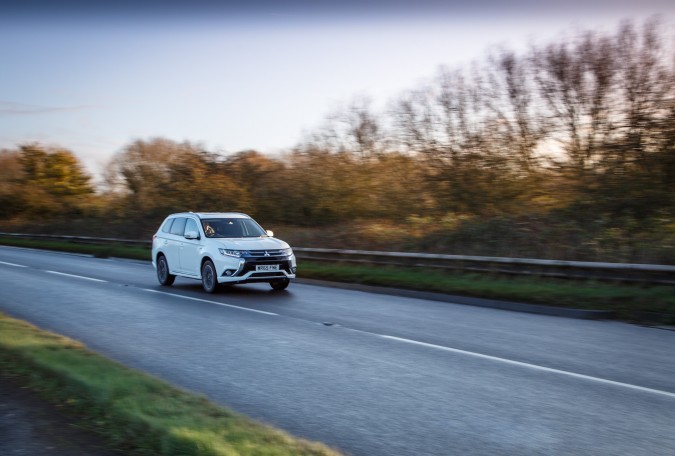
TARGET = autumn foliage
x,y
566,151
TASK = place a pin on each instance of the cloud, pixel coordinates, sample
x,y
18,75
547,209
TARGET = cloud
x,y
10,108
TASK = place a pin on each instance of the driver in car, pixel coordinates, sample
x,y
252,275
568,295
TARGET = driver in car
x,y
208,230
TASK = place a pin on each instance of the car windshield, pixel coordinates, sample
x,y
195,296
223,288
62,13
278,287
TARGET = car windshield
x,y
231,228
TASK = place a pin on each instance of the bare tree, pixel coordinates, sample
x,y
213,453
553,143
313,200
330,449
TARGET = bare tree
x,y
352,129
576,79
514,109
646,89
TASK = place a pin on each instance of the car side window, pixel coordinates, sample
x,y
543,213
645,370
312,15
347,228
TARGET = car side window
x,y
178,226
191,225
167,226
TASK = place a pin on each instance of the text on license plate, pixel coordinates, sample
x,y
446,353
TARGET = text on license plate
x,y
267,267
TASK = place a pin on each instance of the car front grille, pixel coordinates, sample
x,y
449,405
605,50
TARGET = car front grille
x,y
267,253
249,266
267,274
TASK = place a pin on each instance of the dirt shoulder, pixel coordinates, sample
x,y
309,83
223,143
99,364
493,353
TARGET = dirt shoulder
x,y
31,426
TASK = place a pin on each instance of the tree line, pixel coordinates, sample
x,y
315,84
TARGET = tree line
x,y
572,140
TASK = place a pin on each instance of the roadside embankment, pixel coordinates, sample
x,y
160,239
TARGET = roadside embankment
x,y
135,412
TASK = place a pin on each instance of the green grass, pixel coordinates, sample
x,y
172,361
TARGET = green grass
x,y
623,299
100,251
138,414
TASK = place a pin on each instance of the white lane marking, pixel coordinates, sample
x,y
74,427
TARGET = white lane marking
x,y
207,301
13,264
76,276
533,366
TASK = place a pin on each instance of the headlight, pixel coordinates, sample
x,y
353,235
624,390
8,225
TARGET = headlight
x,y
288,251
233,253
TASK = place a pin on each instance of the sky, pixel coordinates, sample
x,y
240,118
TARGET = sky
x,y
93,76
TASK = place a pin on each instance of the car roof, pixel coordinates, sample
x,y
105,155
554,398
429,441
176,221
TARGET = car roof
x,y
213,214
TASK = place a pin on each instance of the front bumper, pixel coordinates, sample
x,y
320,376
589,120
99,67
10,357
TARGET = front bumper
x,y
243,270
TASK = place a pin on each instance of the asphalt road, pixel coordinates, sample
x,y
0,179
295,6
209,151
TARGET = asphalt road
x,y
369,374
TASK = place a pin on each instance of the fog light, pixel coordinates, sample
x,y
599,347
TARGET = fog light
x,y
228,272
293,269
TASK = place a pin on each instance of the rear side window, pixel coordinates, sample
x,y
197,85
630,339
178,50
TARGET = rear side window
x,y
178,226
191,226
167,225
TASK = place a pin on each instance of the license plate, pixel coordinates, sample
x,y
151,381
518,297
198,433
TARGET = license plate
x,y
267,267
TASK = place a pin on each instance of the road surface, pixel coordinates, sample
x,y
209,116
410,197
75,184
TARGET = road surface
x,y
368,374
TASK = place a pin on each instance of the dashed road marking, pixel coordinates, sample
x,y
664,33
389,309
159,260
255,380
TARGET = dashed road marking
x,y
208,301
13,264
76,276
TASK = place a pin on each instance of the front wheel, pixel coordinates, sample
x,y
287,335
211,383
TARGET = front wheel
x,y
209,277
163,275
280,284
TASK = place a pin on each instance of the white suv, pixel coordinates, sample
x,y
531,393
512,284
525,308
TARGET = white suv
x,y
220,247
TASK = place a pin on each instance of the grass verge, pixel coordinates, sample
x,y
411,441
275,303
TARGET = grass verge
x,y
628,301
139,414
100,251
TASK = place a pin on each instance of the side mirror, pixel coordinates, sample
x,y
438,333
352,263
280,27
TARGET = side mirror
x,y
270,233
191,235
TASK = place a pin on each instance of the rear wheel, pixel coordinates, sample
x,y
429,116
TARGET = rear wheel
x,y
163,275
280,284
209,277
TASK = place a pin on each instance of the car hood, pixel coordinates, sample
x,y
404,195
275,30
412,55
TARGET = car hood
x,y
265,243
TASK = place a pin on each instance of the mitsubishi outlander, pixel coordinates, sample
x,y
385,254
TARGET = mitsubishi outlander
x,y
220,248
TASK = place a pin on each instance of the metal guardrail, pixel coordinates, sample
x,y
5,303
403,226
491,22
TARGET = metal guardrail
x,y
646,273
79,239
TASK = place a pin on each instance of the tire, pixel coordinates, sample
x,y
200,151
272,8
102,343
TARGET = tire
x,y
209,277
280,284
165,278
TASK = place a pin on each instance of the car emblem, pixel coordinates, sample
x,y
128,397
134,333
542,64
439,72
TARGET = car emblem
x,y
267,253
